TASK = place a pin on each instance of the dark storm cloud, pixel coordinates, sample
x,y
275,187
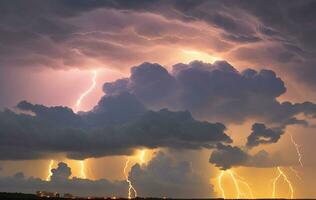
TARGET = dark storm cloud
x,y
116,126
61,183
165,176
227,156
213,92
62,172
262,135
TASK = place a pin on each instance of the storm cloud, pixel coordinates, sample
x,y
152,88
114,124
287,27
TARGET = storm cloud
x,y
226,156
116,126
262,135
63,34
166,176
131,114
62,183
215,92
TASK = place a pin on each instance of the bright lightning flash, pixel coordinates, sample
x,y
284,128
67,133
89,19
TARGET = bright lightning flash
x,y
50,170
236,180
94,82
130,186
82,170
275,180
77,105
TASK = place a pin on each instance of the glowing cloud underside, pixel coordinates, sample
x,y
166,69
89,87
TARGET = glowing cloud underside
x,y
142,156
77,106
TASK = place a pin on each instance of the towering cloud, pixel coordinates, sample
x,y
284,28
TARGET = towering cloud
x,y
165,176
213,92
130,115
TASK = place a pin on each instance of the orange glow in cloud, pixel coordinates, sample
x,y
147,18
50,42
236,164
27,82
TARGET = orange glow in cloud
x,y
190,55
82,170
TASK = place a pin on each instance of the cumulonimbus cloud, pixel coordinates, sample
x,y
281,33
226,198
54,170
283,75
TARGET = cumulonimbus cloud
x,y
116,126
130,115
215,92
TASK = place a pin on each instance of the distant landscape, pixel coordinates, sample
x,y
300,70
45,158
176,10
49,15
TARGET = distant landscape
x,y
22,196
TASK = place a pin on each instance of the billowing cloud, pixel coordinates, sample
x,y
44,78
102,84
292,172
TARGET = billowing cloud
x,y
116,126
213,92
227,156
130,115
262,135
62,172
165,176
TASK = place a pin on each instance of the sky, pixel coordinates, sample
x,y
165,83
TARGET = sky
x,y
182,99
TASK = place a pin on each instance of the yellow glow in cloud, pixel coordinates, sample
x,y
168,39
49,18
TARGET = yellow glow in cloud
x,y
189,55
82,170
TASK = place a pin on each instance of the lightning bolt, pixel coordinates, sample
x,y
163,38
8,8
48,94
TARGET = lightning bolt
x,y
94,82
297,148
275,180
77,106
50,166
236,181
82,170
220,183
130,186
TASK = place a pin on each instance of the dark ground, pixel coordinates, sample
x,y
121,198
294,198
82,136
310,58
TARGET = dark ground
x,y
21,196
